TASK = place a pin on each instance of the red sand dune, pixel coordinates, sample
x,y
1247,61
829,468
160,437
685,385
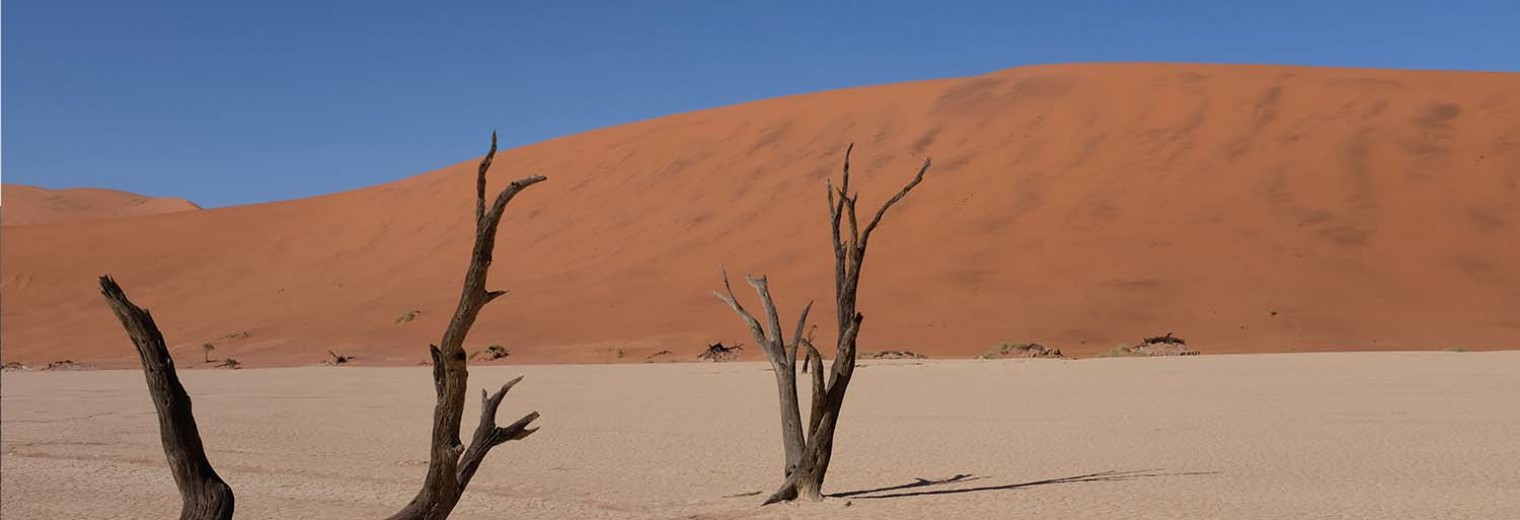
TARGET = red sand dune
x,y
23,205
1245,208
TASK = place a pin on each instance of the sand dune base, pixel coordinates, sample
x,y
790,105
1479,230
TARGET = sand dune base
x,y
1366,435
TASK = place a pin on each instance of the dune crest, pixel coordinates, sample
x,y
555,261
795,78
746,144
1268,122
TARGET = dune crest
x,y
22,205
1245,208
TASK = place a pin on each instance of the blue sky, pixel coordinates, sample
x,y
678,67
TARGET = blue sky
x,y
231,103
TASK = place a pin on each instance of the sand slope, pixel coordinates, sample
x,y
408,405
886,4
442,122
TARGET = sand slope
x,y
1389,435
1245,208
24,205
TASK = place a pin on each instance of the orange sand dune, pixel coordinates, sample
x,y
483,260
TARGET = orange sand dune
x,y
1245,208
22,205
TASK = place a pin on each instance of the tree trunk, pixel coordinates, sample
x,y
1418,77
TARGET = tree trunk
x,y
808,452
783,361
203,494
450,464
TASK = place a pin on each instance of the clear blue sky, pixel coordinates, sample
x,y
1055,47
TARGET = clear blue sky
x,y
236,102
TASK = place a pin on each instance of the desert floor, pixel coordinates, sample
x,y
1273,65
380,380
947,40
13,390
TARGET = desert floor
x,y
1366,435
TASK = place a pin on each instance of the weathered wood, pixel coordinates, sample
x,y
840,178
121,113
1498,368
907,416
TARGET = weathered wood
x,y
203,494
488,435
782,363
808,452
450,464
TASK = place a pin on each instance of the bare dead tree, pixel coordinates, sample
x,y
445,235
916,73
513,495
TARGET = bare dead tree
x,y
808,452
203,494
451,465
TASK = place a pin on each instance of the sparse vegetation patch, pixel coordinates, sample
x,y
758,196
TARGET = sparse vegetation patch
x,y
1020,350
491,353
718,352
893,354
1167,345
67,364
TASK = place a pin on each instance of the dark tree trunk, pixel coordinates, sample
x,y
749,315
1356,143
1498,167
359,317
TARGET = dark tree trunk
x,y
808,452
204,495
450,465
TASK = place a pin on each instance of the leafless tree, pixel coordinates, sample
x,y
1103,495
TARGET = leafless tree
x,y
203,494
808,452
451,464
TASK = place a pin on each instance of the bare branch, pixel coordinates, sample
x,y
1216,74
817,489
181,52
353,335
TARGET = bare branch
x,y
437,370
836,211
849,209
733,302
771,316
809,341
791,351
900,194
203,494
506,195
480,181
844,186
815,414
488,435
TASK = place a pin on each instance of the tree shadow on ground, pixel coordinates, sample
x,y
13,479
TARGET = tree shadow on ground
x,y
900,491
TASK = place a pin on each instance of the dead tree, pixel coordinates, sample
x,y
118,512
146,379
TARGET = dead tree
x,y
451,464
808,452
203,494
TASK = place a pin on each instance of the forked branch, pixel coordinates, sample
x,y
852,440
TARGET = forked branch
x,y
783,359
809,451
450,464
488,435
